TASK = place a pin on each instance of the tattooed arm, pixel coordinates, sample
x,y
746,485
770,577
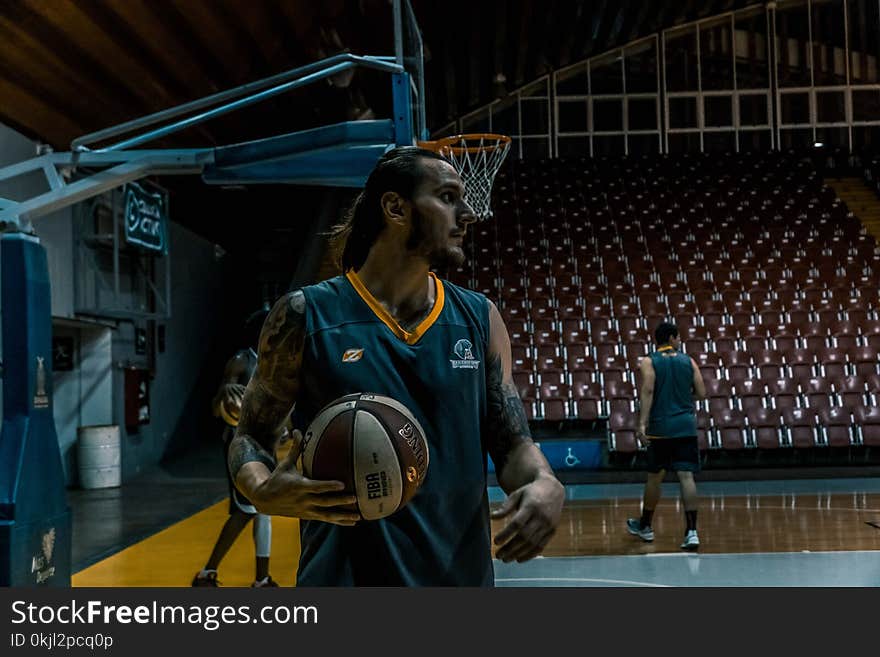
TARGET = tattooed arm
x,y
278,489
535,496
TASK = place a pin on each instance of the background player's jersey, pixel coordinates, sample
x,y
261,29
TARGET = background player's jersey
x,y
672,411
438,371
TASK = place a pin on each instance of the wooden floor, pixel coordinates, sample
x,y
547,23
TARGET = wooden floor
x,y
728,524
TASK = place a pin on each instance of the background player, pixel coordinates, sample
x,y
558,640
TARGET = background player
x,y
671,381
237,373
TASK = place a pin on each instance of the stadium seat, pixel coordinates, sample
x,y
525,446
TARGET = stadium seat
x,y
577,361
851,391
750,394
800,424
765,427
731,429
704,431
738,373
836,426
865,361
814,336
833,362
817,391
868,421
782,393
783,337
799,363
622,433
768,363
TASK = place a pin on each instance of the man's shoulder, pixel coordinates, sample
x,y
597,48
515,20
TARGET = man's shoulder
x,y
464,293
329,287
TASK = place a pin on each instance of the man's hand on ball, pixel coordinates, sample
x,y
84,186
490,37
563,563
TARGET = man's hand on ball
x,y
286,492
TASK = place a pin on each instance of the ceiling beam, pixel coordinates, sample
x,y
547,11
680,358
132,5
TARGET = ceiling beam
x,y
639,24
39,118
79,63
610,24
570,31
100,50
475,56
539,48
521,47
214,35
499,40
120,35
587,43
27,62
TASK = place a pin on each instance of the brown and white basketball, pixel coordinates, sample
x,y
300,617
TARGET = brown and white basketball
x,y
373,444
230,411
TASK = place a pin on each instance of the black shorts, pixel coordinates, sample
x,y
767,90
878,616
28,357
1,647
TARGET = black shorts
x,y
677,454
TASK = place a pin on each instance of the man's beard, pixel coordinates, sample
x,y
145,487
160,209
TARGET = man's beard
x,y
439,259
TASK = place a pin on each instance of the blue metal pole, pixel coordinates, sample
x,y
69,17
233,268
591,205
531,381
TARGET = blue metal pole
x,y
403,123
251,100
80,143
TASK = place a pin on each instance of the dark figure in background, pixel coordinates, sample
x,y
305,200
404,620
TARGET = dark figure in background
x,y
671,381
442,351
227,406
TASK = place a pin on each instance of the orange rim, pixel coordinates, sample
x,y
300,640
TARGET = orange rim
x,y
452,144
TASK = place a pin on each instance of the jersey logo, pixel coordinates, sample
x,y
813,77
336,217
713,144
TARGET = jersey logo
x,y
464,350
352,355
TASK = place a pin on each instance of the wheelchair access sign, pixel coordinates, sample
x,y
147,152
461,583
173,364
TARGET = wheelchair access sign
x,y
145,218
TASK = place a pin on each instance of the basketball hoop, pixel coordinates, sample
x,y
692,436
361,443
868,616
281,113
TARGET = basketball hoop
x,y
477,158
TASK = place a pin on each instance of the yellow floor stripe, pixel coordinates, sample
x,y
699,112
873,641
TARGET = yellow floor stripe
x,y
174,555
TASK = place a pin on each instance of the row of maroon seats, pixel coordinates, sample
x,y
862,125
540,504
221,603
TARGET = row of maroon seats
x,y
772,282
767,428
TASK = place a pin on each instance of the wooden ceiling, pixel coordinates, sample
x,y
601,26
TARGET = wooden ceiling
x,y
69,67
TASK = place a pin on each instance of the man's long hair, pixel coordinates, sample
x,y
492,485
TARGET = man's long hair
x,y
397,171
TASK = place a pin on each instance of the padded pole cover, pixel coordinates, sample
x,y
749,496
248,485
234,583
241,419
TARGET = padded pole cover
x,y
35,546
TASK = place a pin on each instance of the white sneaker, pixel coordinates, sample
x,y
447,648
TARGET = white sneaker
x,y
691,540
634,527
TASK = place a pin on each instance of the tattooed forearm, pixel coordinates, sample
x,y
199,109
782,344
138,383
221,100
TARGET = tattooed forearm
x,y
271,392
507,425
262,414
244,449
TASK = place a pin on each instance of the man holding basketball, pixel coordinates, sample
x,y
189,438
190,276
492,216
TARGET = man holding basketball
x,y
668,424
389,326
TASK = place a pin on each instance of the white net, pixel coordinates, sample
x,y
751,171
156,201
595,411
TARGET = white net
x,y
477,159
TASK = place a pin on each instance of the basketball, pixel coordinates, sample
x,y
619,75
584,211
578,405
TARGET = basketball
x,y
373,444
230,406
230,411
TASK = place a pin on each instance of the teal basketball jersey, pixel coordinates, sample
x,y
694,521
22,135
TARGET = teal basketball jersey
x,y
442,537
672,411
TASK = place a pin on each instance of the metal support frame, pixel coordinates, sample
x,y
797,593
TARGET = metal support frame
x,y
122,163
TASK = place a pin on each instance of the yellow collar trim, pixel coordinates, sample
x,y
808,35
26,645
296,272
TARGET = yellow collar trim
x,y
667,348
410,337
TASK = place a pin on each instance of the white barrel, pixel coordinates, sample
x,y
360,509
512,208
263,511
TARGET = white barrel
x,y
98,452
